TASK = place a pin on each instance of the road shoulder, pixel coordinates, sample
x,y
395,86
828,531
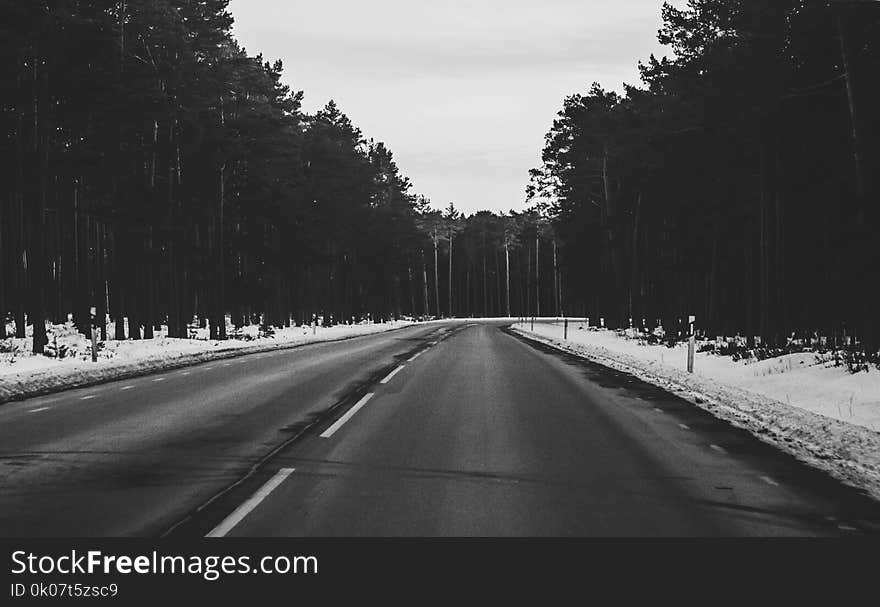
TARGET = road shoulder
x,y
848,452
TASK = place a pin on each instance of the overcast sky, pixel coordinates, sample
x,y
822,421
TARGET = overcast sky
x,y
461,91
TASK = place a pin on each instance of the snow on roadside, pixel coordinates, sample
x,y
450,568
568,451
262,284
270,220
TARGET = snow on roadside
x,y
790,402
24,375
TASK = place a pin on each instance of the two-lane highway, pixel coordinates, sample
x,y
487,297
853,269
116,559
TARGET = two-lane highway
x,y
460,429
485,434
135,456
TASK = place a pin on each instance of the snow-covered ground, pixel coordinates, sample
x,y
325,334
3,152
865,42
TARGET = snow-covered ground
x,y
820,413
69,364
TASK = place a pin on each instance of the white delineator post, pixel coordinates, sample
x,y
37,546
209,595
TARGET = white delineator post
x,y
92,313
691,343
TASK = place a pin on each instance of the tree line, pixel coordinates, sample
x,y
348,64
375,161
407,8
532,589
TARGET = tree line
x,y
155,171
738,183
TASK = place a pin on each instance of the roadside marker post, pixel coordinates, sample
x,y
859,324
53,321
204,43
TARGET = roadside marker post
x,y
92,313
565,334
691,343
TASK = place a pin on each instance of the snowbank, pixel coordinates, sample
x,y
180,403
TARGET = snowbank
x,y
821,414
23,374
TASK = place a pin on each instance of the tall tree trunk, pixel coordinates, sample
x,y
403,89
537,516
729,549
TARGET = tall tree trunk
x,y
410,287
451,313
528,285
149,313
485,281
497,299
101,278
40,162
425,283
609,219
220,309
712,315
436,277
220,312
556,280
634,274
507,279
21,264
537,275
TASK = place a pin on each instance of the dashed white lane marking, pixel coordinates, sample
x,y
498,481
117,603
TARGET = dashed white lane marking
x,y
348,415
392,374
415,356
769,481
433,343
89,397
846,528
186,373
124,388
227,364
684,426
40,409
159,379
208,368
231,521
717,448
658,410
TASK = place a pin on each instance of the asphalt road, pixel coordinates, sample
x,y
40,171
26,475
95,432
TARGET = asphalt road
x,y
438,430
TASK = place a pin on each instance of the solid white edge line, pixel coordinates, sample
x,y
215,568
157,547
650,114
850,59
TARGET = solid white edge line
x,y
415,356
392,374
231,521
348,415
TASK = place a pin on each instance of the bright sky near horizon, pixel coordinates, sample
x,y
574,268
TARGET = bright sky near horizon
x,y
461,91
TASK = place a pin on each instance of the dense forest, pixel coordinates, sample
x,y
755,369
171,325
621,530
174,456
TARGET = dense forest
x,y
738,184
156,171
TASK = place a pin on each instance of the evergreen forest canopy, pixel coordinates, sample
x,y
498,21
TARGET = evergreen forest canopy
x,y
156,171
739,184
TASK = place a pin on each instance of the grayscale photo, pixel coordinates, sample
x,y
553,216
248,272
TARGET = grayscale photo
x,y
453,269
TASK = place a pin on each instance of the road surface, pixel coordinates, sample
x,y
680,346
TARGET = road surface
x,y
456,429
